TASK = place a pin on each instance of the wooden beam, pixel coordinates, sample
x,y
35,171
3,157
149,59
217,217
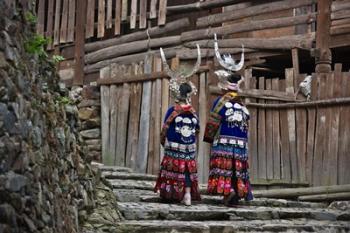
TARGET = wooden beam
x,y
247,26
326,197
283,42
133,14
340,5
128,59
260,94
200,5
226,16
342,14
162,12
132,47
323,56
295,192
140,78
79,43
117,19
141,35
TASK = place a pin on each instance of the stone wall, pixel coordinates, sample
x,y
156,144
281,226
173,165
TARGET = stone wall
x,y
46,181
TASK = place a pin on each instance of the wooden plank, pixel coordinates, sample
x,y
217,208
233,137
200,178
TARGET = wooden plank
x,y
64,21
114,96
124,14
101,18
285,157
292,128
71,21
49,25
158,118
79,52
141,162
118,12
262,169
133,14
134,119
320,132
340,5
56,32
143,14
301,131
90,18
269,135
109,22
107,159
165,105
40,26
276,139
151,152
332,153
123,113
202,169
153,9
342,14
252,135
344,137
162,11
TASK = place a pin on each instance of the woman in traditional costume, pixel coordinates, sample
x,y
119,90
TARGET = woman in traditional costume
x,y
227,131
177,180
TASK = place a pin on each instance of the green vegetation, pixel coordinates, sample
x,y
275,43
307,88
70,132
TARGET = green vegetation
x,y
30,18
36,45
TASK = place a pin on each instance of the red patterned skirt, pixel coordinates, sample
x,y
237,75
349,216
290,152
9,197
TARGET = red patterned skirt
x,y
229,168
177,171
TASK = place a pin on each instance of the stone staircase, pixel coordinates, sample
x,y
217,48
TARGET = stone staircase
x,y
143,211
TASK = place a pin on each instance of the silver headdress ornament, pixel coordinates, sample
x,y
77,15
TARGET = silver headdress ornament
x,y
227,62
177,78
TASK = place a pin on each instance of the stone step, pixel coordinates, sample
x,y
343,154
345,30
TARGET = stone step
x,y
217,200
290,226
115,175
202,212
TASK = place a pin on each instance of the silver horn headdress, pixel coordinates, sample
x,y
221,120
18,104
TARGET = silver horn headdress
x,y
177,78
227,62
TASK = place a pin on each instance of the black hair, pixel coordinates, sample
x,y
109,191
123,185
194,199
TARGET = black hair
x,y
185,88
234,78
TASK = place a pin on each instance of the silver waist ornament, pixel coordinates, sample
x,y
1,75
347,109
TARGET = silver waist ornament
x,y
228,63
177,78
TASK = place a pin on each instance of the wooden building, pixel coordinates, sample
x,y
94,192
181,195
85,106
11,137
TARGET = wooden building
x,y
293,141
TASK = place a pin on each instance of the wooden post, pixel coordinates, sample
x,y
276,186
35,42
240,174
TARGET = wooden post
x,y
80,43
323,55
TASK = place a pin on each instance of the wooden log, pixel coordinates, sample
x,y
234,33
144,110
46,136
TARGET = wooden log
x,y
326,197
71,21
296,192
142,149
133,14
340,5
117,19
188,54
56,31
162,12
153,9
101,18
197,6
134,119
226,16
107,159
141,35
49,25
340,22
109,14
90,19
132,47
128,59
143,14
343,29
276,138
40,26
340,40
247,26
283,42
342,14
